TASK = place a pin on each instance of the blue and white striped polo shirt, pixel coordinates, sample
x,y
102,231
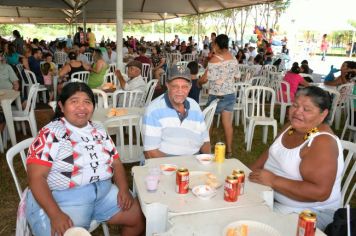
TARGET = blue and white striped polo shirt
x,y
164,130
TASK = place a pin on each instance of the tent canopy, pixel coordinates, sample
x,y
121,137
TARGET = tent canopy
x,y
104,11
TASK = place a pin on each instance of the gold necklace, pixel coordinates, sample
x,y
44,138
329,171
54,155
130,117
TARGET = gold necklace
x,y
314,130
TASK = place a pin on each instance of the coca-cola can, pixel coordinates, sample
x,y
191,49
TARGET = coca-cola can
x,y
231,189
182,181
306,223
240,175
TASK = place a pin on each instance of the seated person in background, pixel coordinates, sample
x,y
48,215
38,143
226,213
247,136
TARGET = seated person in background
x,y
195,89
70,166
294,80
49,59
112,56
348,71
142,56
305,62
133,80
174,124
304,69
241,57
8,78
34,63
65,73
304,164
96,78
48,78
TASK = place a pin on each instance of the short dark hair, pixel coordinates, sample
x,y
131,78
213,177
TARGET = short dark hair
x,y
72,56
318,96
35,50
193,67
222,41
295,68
304,62
69,90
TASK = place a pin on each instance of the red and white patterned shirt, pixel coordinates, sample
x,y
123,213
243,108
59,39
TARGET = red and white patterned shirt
x,y
77,156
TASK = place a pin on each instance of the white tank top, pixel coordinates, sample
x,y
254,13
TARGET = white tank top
x,y
285,162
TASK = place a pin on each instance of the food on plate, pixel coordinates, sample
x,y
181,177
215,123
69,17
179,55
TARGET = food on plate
x,y
108,86
241,230
206,178
116,112
168,169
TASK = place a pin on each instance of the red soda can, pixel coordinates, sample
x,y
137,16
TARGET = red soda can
x,y
240,175
306,223
182,181
231,189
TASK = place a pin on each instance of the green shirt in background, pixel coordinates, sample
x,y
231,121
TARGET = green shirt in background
x,y
97,79
7,76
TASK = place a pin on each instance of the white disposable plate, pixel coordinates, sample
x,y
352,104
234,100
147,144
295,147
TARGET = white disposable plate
x,y
202,178
168,169
204,192
205,159
254,228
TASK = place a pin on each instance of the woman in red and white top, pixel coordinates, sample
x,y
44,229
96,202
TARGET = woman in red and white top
x,y
70,165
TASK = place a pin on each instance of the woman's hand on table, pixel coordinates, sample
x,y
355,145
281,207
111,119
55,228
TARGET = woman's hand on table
x,y
60,222
262,176
125,199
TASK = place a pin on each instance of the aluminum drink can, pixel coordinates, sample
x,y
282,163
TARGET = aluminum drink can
x,y
240,175
231,189
220,152
306,223
182,181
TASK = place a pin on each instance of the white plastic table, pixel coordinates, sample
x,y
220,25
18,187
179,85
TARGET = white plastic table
x,y
100,114
6,98
213,223
165,202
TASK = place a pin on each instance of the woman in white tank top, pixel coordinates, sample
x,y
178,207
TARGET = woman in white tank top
x,y
305,162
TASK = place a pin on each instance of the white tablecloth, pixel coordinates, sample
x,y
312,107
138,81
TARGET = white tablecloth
x,y
6,98
213,223
166,202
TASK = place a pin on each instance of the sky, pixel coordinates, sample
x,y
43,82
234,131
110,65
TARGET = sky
x,y
321,15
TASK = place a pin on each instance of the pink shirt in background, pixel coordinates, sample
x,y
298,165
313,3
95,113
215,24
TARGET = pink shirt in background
x,y
294,80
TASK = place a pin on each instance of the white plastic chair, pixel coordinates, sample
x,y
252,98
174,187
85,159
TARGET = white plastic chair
x,y
350,120
3,139
335,100
60,58
102,98
182,63
239,106
28,114
188,57
255,112
122,98
129,148
175,57
258,81
149,91
146,71
209,113
348,173
80,76
24,83
345,91
21,148
282,98
110,77
31,78
112,67
89,56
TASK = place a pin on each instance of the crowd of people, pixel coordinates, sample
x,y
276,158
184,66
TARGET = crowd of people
x,y
61,196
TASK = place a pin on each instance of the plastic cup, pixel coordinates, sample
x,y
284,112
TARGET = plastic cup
x,y
156,172
151,183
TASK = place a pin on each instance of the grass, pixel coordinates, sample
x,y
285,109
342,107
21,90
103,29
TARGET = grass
x,y
9,198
